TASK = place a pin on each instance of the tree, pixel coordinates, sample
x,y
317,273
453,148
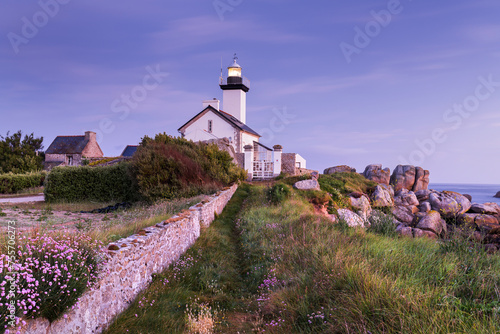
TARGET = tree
x,y
20,155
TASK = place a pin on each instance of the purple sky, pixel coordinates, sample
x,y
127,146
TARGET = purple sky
x,y
390,82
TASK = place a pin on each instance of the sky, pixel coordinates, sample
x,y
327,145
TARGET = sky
x,y
339,82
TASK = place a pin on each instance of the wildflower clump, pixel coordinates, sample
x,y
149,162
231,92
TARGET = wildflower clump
x,y
47,275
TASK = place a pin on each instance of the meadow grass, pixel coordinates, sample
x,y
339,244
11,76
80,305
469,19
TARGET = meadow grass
x,y
281,268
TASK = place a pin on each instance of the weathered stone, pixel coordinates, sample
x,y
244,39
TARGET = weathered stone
x,y
404,231
469,197
339,169
491,248
432,222
486,208
423,195
377,174
382,197
413,208
421,179
418,233
497,195
449,204
406,199
403,214
418,217
425,207
362,206
377,216
486,223
467,218
314,175
403,177
351,219
307,185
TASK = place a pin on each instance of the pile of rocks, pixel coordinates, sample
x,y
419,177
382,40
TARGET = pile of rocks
x,y
419,211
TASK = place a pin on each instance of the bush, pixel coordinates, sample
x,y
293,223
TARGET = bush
x,y
318,197
53,272
12,183
168,167
278,193
100,184
346,183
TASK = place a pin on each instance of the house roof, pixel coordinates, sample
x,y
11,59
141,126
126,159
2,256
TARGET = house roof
x,y
229,118
129,150
263,146
67,145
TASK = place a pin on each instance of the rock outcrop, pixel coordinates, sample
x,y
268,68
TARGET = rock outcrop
x,y
449,204
486,208
376,173
497,195
432,222
382,196
362,206
307,185
352,219
410,177
339,169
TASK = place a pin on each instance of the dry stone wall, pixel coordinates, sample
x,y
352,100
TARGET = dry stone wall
x,y
130,266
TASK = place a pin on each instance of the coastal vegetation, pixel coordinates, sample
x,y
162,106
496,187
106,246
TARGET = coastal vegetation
x,y
272,263
20,154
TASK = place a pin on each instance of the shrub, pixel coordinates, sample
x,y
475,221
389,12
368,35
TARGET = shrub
x,y
318,197
168,167
12,183
345,183
100,184
278,193
52,273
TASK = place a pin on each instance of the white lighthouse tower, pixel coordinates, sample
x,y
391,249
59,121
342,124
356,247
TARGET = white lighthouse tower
x,y
235,88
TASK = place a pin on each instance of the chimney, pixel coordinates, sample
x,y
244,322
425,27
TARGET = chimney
x,y
90,136
214,103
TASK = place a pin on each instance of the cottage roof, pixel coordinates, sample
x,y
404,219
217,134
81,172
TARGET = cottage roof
x,y
67,145
129,150
227,117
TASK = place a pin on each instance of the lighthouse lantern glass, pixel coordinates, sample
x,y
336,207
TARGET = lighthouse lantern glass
x,y
234,72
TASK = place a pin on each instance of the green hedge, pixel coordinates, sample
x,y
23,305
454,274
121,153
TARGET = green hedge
x,y
100,184
12,183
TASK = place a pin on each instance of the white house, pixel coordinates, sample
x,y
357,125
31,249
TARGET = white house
x,y
257,159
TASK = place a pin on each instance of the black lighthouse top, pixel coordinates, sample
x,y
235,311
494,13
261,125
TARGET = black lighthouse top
x,y
234,79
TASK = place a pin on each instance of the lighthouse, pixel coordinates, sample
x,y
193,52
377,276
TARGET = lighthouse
x,y
234,90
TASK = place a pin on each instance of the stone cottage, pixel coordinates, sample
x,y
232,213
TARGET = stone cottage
x,y
72,150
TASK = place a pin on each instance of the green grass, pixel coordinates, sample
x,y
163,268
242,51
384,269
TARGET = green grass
x,y
283,269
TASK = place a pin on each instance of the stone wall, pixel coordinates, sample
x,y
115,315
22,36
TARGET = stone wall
x,y
288,163
129,268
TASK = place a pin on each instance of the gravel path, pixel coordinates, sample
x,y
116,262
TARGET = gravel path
x,y
34,198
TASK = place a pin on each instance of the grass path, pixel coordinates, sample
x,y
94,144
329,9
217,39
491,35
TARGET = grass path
x,y
207,280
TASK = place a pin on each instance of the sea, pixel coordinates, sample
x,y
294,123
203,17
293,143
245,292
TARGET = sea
x,y
481,193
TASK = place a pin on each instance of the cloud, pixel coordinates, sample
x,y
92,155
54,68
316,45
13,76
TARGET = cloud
x,y
203,30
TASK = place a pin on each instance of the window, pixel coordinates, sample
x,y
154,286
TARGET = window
x,y
297,164
70,160
210,126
